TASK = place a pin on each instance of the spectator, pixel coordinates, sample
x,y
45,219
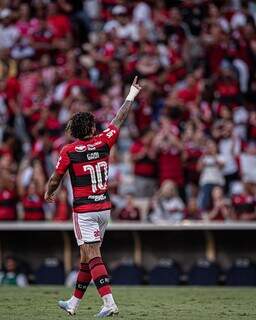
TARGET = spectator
x,y
247,162
193,141
8,198
192,212
115,175
221,207
58,23
79,17
9,33
196,61
167,205
32,202
243,201
229,147
252,126
129,212
121,25
10,274
63,208
210,164
31,171
143,157
168,146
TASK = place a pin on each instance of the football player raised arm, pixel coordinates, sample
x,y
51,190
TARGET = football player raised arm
x,y
119,119
126,107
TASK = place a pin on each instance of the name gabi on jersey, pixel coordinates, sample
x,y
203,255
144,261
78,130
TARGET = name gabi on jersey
x,y
98,197
93,156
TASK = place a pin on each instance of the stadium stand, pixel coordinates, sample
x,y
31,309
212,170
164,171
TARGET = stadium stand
x,y
204,273
194,123
127,274
242,273
186,157
50,272
165,273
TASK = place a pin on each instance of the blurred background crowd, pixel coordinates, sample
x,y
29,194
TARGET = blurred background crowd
x,y
188,149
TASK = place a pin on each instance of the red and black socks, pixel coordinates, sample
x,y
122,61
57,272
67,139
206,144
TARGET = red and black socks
x,y
100,276
83,280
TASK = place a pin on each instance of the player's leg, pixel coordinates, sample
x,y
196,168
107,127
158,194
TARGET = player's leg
x,y
84,274
101,279
83,278
82,282
97,266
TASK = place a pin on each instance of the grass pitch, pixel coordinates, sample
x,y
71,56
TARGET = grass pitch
x,y
151,303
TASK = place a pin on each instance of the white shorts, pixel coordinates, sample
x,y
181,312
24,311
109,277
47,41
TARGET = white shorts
x,y
90,227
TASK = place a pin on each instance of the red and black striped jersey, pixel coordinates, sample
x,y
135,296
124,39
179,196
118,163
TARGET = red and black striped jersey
x,y
87,162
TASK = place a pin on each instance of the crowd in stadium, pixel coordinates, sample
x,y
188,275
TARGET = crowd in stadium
x,y
189,145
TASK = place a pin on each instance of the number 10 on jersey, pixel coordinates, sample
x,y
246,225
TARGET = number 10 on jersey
x,y
98,181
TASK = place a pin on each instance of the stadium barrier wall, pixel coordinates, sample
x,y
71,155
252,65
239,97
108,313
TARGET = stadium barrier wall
x,y
143,243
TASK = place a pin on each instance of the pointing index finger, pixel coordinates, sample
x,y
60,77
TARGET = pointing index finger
x,y
135,80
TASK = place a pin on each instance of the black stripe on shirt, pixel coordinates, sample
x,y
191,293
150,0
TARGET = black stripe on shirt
x,y
91,199
81,181
88,155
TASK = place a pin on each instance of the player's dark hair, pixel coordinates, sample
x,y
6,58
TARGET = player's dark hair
x,y
81,125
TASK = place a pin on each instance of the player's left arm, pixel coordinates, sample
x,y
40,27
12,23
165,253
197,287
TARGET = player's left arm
x,y
126,107
55,179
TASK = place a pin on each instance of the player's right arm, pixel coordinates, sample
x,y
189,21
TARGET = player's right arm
x,y
126,107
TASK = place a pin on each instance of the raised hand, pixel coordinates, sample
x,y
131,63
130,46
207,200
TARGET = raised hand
x,y
134,90
136,84
126,107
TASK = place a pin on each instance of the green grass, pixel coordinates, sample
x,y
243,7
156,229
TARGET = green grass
x,y
150,303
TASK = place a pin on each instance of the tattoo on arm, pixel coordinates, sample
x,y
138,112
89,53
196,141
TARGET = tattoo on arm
x,y
122,113
53,183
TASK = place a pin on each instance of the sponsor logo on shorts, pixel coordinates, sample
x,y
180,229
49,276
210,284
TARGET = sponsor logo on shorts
x,y
93,155
97,197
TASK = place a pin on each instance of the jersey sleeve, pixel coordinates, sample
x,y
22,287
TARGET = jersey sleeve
x,y
63,162
110,135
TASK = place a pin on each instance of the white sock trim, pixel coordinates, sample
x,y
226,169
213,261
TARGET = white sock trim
x,y
108,300
74,302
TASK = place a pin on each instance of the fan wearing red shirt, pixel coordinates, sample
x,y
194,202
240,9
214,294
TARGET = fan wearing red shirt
x,y
168,146
62,211
143,157
130,212
8,200
244,203
221,209
8,196
87,160
57,22
32,202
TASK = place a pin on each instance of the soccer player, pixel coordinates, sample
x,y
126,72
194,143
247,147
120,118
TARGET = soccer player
x,y
87,162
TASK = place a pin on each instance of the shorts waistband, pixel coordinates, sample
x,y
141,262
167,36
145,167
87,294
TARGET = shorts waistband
x,y
99,211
